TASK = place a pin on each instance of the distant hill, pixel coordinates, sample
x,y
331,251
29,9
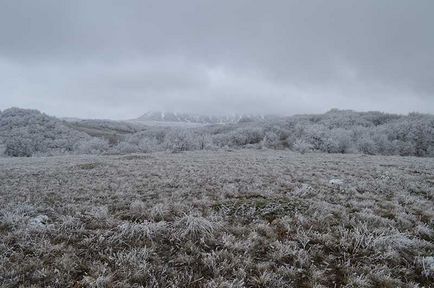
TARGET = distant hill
x,y
25,132
171,117
111,130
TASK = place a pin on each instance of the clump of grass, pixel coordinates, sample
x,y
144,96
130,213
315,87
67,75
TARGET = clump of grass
x,y
194,227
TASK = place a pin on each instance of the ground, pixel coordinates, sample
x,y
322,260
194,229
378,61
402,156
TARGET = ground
x,y
246,218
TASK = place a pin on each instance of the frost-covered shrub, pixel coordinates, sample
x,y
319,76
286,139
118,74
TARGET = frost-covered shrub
x,y
250,135
204,141
125,148
26,132
147,145
302,146
315,135
271,140
180,140
147,141
18,146
403,148
240,137
92,146
337,141
366,145
383,145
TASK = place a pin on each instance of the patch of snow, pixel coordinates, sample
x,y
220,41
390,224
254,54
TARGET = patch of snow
x,y
336,181
39,221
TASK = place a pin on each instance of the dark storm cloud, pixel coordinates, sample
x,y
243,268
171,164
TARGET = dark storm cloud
x,y
121,58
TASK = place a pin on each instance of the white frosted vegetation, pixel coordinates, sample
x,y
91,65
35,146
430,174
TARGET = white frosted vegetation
x,y
247,218
31,133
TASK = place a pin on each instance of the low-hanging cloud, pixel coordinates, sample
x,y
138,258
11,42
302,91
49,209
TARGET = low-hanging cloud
x,y
113,59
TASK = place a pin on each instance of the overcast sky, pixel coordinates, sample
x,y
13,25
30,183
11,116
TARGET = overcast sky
x,y
119,59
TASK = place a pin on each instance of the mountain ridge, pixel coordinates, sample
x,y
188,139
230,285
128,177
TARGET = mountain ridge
x,y
161,116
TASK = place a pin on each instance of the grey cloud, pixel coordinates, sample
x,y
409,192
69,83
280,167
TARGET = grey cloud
x,y
125,57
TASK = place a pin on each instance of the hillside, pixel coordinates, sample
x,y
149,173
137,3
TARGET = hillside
x,y
29,132
110,130
25,132
197,118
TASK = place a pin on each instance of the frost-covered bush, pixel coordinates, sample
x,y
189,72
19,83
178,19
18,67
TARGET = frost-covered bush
x,y
302,146
204,141
125,148
366,145
18,146
92,146
26,132
149,140
240,137
384,146
271,140
370,133
414,135
337,141
252,135
180,140
315,135
147,145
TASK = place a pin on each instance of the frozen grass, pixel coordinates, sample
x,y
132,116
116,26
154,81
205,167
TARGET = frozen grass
x,y
217,219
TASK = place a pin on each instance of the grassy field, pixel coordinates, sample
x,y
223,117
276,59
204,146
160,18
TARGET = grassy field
x,y
248,218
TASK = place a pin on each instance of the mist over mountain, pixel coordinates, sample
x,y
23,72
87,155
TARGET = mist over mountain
x,y
201,118
102,59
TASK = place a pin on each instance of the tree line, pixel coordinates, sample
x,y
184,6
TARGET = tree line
x,y
31,133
